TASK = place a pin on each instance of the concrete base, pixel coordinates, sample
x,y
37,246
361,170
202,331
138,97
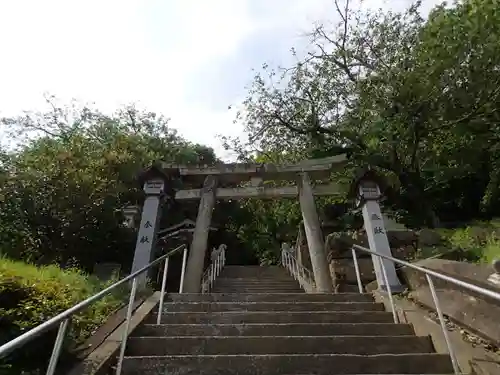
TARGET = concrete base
x,y
471,358
395,289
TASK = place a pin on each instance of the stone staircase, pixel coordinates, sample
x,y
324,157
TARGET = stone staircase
x,y
257,321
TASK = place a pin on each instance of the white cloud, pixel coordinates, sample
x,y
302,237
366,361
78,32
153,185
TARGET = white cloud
x,y
117,51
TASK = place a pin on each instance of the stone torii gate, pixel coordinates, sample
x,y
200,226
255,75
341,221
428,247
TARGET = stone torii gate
x,y
212,180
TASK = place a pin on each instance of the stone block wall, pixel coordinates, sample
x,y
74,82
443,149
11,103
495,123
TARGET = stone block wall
x,y
404,245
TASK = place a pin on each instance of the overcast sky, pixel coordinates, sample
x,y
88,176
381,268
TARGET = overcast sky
x,y
188,59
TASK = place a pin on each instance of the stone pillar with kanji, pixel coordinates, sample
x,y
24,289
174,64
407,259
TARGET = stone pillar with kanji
x,y
368,197
154,188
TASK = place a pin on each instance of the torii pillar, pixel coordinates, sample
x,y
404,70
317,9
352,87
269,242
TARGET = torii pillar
x,y
314,236
196,260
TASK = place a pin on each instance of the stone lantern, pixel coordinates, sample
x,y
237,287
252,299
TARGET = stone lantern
x,y
131,214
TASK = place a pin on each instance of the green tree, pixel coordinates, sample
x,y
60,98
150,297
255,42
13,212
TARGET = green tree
x,y
416,99
63,188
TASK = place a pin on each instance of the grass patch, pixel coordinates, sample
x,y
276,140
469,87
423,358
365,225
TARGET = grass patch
x,y
31,295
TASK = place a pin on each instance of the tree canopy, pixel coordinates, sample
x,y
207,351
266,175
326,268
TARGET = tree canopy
x,y
62,190
416,99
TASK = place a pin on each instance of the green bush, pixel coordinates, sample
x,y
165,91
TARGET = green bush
x,y
31,295
479,242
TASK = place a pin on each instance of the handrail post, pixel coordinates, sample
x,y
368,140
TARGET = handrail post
x,y
162,295
183,270
212,275
389,291
56,352
356,269
126,326
451,352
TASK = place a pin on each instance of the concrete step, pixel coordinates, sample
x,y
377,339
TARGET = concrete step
x,y
262,284
270,297
271,306
239,317
289,329
266,286
317,364
219,345
255,290
243,273
239,282
278,278
256,280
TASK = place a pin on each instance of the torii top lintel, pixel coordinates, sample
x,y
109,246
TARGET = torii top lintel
x,y
239,172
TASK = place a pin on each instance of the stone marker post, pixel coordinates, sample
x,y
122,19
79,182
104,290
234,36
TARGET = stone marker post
x,y
314,236
369,194
146,236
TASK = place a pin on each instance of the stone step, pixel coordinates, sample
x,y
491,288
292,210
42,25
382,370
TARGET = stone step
x,y
219,345
271,306
254,272
270,297
240,317
266,286
289,329
256,280
251,278
275,284
278,278
317,364
259,289
255,290
263,287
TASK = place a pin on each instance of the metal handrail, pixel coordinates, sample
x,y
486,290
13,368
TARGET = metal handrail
x,y
429,274
213,270
298,271
63,318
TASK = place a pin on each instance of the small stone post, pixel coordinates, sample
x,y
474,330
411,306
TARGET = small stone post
x,y
494,278
196,260
314,236
130,213
369,195
146,237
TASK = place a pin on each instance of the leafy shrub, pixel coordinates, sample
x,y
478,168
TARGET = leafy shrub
x,y
31,295
479,242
